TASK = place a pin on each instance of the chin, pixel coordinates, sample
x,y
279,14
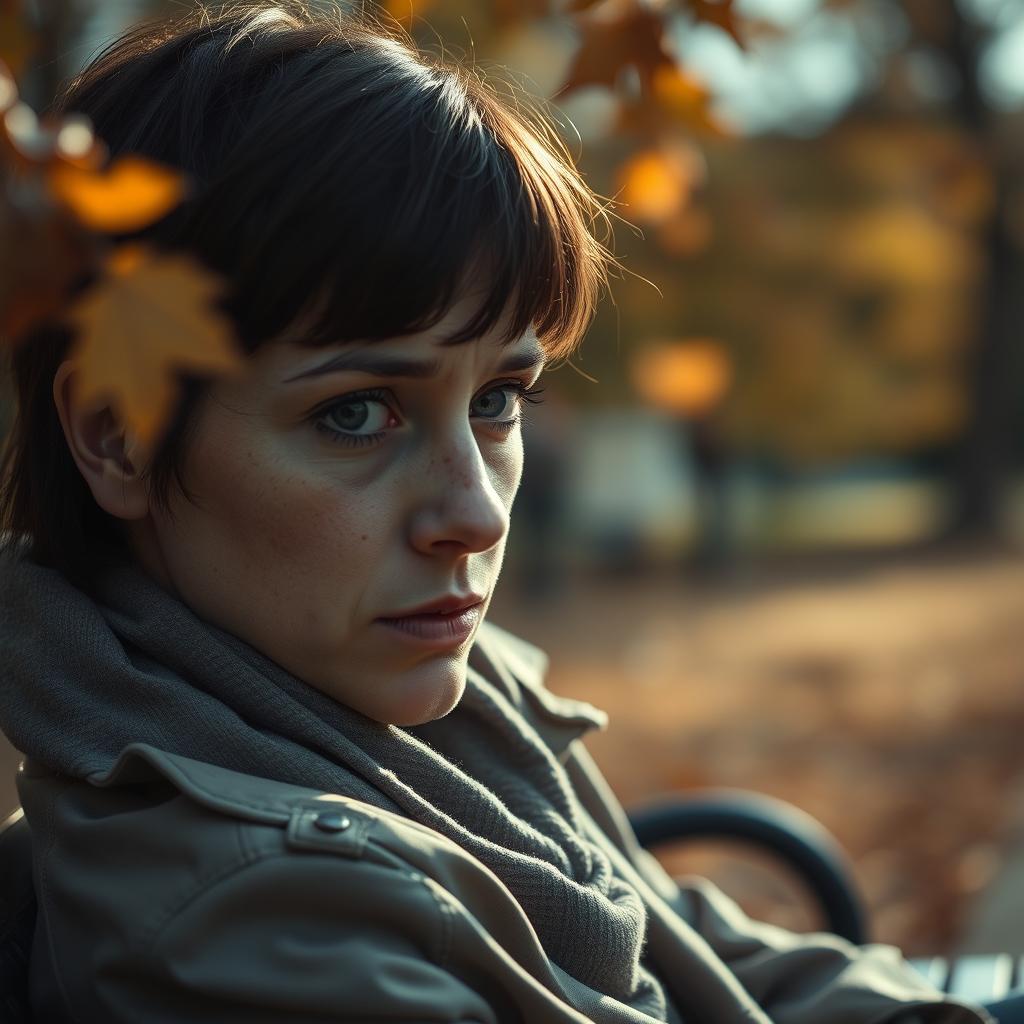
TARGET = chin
x,y
427,692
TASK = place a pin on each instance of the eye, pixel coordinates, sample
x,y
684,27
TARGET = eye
x,y
495,403
500,404
358,418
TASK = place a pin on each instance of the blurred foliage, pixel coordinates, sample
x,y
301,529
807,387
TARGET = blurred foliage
x,y
847,275
855,270
59,198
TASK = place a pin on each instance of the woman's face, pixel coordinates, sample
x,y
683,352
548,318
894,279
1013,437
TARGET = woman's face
x,y
335,504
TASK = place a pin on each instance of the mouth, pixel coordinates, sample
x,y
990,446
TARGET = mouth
x,y
442,624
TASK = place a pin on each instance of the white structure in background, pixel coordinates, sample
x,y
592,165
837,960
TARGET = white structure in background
x,y
633,491
630,479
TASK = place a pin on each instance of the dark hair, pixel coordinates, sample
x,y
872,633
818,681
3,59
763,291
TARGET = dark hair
x,y
341,178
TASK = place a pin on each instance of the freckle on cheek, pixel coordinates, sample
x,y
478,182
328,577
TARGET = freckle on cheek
x,y
363,537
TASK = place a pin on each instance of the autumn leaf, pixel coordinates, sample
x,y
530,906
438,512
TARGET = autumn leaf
x,y
675,98
627,35
717,12
131,193
148,319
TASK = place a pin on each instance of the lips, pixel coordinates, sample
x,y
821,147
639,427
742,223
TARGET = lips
x,y
446,605
440,624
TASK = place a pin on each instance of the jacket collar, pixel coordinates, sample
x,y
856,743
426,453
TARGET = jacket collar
x,y
518,668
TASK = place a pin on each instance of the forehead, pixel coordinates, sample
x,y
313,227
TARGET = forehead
x,y
416,361
421,356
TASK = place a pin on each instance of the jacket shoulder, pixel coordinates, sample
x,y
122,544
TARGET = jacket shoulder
x,y
185,824
302,818
183,875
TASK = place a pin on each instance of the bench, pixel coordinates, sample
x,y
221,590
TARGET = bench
x,y
800,843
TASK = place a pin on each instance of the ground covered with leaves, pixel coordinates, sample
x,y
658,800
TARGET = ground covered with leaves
x,y
886,699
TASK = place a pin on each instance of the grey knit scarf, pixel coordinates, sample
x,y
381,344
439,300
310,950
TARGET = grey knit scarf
x,y
82,676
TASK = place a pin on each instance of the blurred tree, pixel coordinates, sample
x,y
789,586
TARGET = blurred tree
x,y
855,255
983,457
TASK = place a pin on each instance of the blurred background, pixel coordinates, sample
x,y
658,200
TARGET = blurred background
x,y
773,513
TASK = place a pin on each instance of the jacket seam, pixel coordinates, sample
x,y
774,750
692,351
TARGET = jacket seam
x,y
148,936
238,866
377,853
203,794
446,918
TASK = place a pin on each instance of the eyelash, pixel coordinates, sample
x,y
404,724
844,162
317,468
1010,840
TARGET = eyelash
x,y
525,393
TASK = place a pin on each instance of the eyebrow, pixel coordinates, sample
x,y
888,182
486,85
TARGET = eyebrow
x,y
381,365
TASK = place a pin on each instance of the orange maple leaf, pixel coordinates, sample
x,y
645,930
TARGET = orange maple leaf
x,y
627,35
148,319
129,194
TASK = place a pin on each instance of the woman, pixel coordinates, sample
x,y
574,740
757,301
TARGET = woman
x,y
278,766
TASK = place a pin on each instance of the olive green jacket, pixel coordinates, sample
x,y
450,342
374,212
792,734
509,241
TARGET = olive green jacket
x,y
175,890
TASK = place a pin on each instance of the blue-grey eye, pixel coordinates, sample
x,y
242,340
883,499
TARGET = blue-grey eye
x,y
495,404
360,416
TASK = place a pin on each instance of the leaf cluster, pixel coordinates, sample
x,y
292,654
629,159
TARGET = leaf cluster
x,y
143,316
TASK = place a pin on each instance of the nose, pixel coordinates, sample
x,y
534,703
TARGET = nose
x,y
460,510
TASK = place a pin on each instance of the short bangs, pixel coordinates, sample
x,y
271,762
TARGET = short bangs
x,y
339,170
346,186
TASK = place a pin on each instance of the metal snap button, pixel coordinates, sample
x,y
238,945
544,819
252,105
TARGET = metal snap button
x,y
332,821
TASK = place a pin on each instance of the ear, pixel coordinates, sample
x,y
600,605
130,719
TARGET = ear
x,y
97,444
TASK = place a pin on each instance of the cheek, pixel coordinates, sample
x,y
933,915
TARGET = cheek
x,y
507,470
280,522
